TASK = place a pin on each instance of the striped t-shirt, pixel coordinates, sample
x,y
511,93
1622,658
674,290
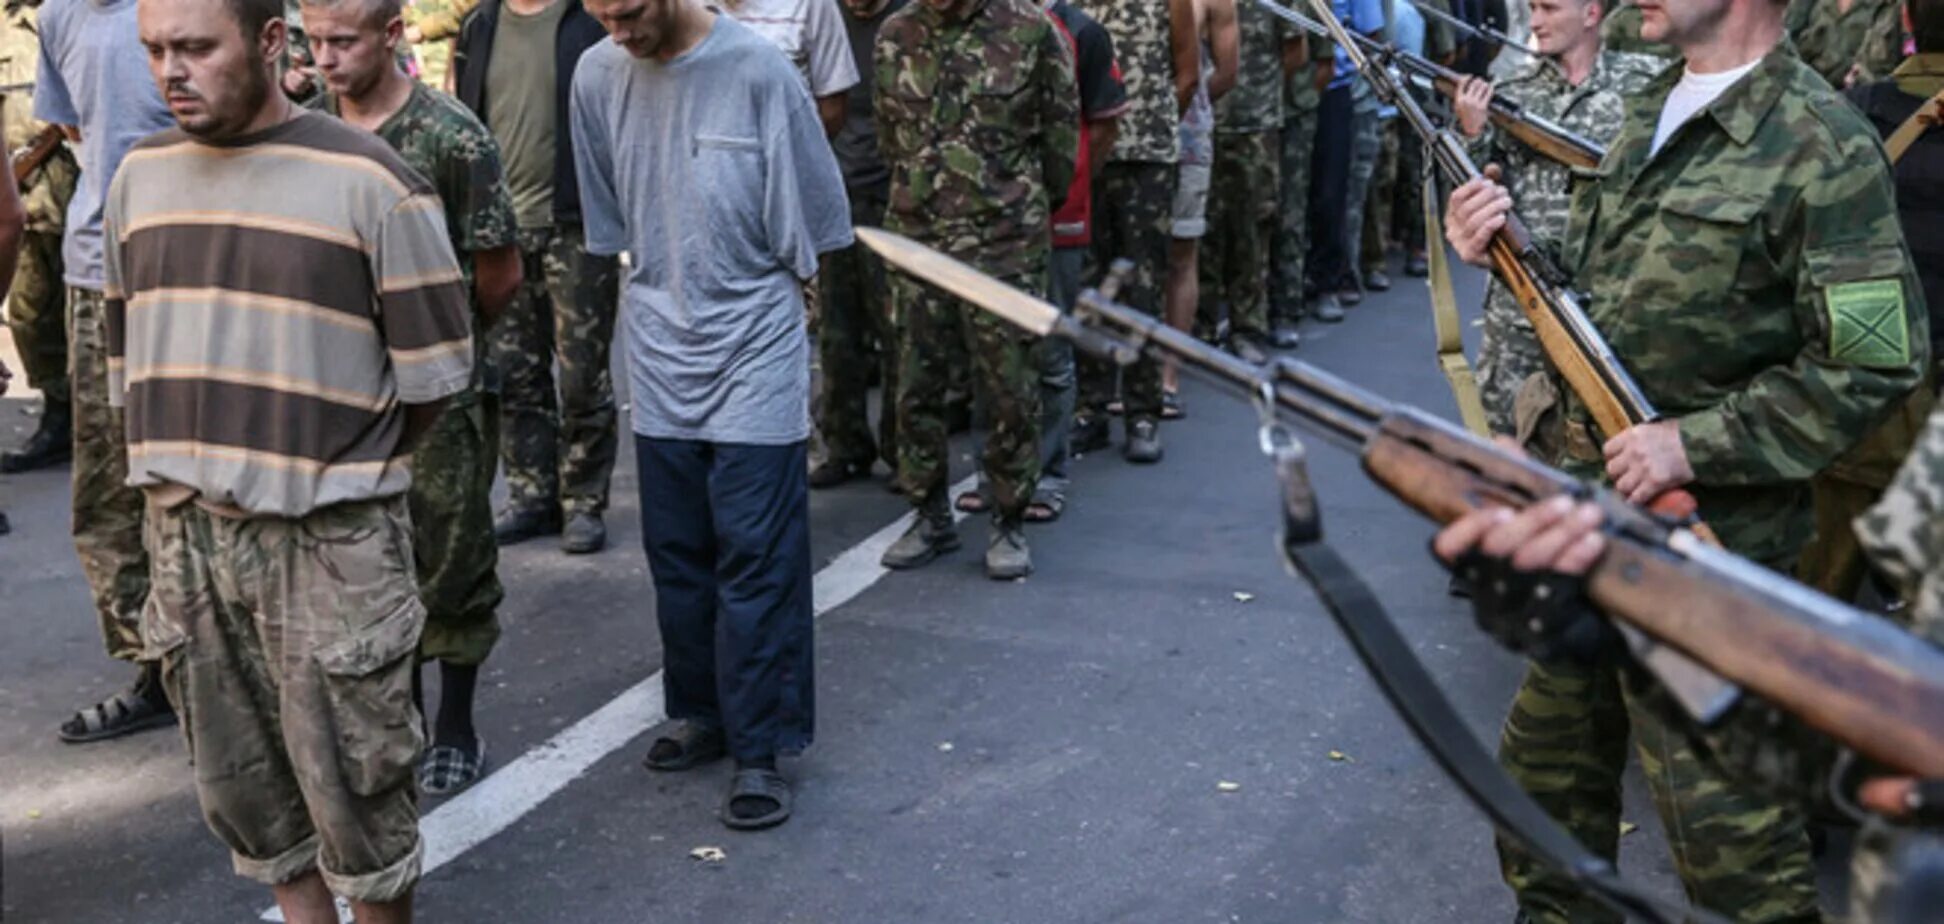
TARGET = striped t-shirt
x,y
273,302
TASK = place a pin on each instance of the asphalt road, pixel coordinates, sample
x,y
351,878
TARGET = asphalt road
x,y
1144,731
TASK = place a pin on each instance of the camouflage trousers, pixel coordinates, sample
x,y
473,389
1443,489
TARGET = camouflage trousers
x,y
107,523
1738,852
855,335
287,650
1380,206
37,315
1133,217
1508,354
1005,379
1291,246
452,531
1366,144
1242,204
558,447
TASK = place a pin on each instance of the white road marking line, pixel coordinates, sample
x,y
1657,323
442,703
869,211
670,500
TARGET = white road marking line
x,y
493,804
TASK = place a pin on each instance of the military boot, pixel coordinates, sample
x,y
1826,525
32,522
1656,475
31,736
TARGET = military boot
x,y
51,444
1007,556
931,535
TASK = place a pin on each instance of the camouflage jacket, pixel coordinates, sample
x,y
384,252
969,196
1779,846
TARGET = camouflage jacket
x,y
1753,277
19,58
438,20
1541,188
1904,533
979,119
1255,104
442,139
1144,49
1868,37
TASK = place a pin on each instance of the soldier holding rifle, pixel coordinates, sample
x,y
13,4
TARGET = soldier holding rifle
x,y
1744,261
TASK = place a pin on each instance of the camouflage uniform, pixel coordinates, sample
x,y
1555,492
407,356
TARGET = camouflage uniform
x,y
855,336
558,449
1509,352
1766,338
979,118
37,302
454,462
286,646
1133,190
1380,204
1243,189
438,24
1869,37
107,522
1291,245
1365,146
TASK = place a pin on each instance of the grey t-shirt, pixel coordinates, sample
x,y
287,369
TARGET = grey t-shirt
x,y
711,171
94,75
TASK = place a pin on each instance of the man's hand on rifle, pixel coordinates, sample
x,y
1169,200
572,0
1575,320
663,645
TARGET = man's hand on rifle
x,y
1558,535
1647,460
1474,105
1476,212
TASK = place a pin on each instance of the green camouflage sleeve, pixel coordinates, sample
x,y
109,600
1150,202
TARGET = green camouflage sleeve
x,y
1904,533
1059,91
1860,314
890,58
483,209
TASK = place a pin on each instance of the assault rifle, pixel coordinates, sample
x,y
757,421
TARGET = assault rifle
x,y
36,153
1852,675
1550,139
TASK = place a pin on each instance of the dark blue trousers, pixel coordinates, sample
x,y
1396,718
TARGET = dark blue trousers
x,y
727,532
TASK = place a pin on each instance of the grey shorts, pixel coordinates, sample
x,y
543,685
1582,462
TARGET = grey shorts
x,y
1190,216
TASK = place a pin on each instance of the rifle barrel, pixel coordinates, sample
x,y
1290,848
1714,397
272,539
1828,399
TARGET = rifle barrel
x,y
1478,32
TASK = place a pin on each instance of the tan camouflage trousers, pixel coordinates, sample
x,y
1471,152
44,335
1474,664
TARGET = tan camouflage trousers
x,y
1290,248
1737,852
558,445
1005,378
854,336
452,531
37,315
1508,354
287,649
107,522
1242,203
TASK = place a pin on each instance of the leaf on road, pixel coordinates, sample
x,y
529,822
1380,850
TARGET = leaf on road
x,y
1226,786
945,746
709,854
1341,757
1242,596
1628,827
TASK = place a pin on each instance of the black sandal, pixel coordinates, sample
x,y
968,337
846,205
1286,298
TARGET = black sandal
x,y
124,713
685,745
448,769
753,785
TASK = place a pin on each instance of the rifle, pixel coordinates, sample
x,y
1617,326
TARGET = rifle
x,y
1853,676
36,153
1482,33
1549,138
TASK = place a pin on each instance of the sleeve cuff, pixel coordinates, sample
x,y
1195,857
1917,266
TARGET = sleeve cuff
x,y
1708,445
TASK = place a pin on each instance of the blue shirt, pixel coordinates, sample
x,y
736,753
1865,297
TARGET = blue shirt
x,y
1366,16
94,75
711,171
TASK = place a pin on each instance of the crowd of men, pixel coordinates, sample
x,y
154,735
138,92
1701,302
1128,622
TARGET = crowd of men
x,y
298,282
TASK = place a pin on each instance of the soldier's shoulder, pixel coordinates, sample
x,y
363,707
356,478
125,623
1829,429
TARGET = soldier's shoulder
x,y
903,27
1809,108
1632,71
439,112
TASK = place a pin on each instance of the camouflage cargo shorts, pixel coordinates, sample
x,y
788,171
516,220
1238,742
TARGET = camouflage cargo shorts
x,y
319,616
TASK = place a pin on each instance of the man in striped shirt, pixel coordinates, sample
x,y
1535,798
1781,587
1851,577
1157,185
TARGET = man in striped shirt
x,y
285,314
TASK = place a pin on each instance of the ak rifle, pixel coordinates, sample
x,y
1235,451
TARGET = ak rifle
x,y
1853,676
36,153
1571,342
1550,139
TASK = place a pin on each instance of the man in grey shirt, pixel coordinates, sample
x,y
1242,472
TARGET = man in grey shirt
x,y
701,156
94,79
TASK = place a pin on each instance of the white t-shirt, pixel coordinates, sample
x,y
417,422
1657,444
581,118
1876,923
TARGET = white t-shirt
x,y
1691,95
810,33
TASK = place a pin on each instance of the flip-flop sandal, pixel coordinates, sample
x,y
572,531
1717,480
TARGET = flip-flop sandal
x,y
1045,509
971,502
690,744
447,769
124,713
757,786
1171,408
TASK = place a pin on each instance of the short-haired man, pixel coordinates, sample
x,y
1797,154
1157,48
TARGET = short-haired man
x,y
1741,253
355,44
1582,87
513,67
701,155
92,81
285,317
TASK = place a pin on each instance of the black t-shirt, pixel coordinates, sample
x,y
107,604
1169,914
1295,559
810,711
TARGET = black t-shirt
x,y
856,143
1920,191
1102,94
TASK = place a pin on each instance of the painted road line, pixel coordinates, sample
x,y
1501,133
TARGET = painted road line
x,y
493,804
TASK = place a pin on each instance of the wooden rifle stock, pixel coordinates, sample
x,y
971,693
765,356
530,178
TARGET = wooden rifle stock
x,y
1550,141
1853,677
43,147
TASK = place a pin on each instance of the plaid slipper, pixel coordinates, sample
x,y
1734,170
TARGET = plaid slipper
x,y
447,769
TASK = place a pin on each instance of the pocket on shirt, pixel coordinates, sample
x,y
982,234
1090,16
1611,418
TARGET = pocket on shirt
x,y
997,110
1704,236
729,174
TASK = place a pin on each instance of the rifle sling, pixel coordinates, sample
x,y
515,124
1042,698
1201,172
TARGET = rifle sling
x,y
1436,724
1928,116
1444,316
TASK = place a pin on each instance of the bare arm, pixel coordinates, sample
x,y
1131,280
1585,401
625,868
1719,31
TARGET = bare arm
x,y
1101,135
496,279
1295,54
1184,42
832,110
1225,46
